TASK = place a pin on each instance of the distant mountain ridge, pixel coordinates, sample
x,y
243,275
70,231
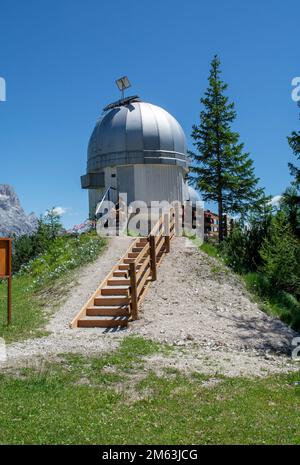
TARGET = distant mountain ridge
x,y
13,219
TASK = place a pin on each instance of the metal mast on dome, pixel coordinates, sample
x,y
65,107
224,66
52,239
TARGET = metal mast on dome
x,y
123,83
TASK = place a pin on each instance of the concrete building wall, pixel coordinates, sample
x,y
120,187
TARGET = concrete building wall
x,y
142,182
151,182
158,182
94,197
125,181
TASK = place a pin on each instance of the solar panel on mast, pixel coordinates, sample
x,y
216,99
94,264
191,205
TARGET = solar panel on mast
x,y
123,83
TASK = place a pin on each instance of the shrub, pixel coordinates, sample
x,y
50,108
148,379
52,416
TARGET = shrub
x,y
241,248
290,204
281,256
65,254
234,249
28,247
277,302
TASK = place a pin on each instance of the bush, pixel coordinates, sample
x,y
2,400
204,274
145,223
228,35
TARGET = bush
x,y
241,248
211,249
28,247
290,204
234,249
281,256
277,302
65,254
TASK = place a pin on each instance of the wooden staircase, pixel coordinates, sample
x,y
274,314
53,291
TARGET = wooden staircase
x,y
117,299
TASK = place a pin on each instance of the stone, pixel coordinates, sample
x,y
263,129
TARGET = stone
x,y
13,219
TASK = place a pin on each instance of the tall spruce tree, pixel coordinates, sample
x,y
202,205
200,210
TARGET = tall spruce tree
x,y
221,170
294,143
290,200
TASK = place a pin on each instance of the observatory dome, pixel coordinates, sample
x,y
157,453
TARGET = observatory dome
x,y
136,132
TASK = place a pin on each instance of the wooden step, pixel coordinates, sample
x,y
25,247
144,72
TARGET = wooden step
x,y
137,249
111,300
118,282
107,311
128,260
132,254
125,266
102,322
142,240
120,273
115,290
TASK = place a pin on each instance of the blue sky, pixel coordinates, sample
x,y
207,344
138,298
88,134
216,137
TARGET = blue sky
x,y
60,60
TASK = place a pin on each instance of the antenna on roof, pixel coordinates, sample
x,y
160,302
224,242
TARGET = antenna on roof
x,y
123,83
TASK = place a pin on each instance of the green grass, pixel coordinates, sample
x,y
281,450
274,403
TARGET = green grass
x,y
43,282
79,401
65,253
278,303
210,249
28,316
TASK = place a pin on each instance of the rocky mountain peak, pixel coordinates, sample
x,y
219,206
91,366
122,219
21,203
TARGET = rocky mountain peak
x,y
13,219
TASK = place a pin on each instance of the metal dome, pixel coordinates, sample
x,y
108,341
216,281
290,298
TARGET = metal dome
x,y
136,132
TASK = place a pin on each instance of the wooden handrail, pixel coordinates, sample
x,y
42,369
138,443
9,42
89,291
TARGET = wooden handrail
x,y
153,257
143,281
133,291
142,268
158,242
142,253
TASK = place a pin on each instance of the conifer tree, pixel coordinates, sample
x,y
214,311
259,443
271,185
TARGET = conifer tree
x,y
221,170
294,143
53,221
281,254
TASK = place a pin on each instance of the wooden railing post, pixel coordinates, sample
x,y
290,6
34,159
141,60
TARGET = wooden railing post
x,y
167,232
167,244
133,291
153,257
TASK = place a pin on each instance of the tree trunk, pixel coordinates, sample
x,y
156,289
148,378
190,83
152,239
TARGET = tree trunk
x,y
220,213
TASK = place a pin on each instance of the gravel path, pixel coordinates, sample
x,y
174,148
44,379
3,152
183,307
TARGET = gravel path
x,y
197,299
200,306
197,305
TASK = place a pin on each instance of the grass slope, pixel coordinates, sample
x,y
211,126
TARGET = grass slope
x,y
79,401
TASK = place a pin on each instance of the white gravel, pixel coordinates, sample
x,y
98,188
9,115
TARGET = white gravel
x,y
196,299
201,307
197,305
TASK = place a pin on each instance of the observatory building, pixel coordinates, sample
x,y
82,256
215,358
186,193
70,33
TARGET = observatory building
x,y
136,148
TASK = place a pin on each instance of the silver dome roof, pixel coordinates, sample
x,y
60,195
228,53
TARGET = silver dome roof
x,y
136,132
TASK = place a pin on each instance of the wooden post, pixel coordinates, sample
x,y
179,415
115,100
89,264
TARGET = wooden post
x,y
167,232
9,283
133,291
6,271
153,257
9,286
167,244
